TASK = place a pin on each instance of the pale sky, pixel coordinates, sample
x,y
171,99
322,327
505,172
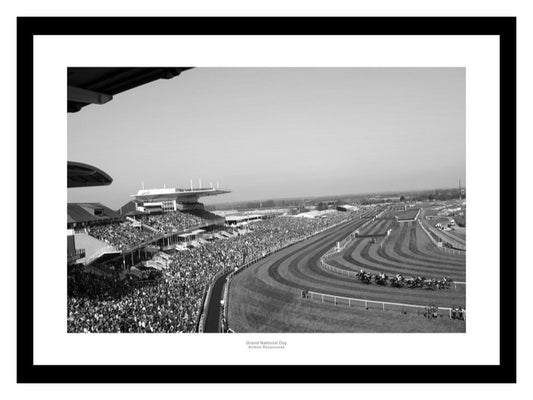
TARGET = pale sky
x,y
277,132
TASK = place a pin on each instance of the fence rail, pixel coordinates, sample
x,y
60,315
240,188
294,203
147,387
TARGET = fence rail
x,y
340,271
376,304
207,299
200,322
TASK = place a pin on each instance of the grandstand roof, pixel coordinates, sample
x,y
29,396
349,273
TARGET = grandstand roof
x,y
99,85
130,209
176,194
83,175
88,212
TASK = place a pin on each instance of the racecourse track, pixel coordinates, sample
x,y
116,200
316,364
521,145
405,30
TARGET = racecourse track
x,y
267,295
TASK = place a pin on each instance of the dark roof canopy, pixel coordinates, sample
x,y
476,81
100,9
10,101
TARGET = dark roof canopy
x,y
130,209
83,175
98,85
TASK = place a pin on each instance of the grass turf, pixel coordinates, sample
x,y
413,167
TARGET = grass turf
x,y
265,298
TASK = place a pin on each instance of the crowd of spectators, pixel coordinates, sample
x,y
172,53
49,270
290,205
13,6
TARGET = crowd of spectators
x,y
120,236
168,222
124,235
173,303
108,304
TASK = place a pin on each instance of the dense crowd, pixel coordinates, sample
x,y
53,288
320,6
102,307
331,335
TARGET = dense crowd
x,y
121,235
173,303
125,235
108,304
166,223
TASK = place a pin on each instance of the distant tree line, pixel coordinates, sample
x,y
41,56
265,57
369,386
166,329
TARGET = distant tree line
x,y
425,195
322,202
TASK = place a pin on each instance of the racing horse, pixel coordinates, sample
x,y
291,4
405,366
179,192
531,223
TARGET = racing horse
x,y
364,277
381,279
398,281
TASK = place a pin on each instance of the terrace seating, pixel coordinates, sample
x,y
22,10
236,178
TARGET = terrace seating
x,y
121,236
173,221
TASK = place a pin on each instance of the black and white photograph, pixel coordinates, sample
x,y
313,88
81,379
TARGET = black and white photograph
x,y
243,197
242,200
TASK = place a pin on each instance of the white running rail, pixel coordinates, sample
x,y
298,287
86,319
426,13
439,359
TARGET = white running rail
x,y
383,305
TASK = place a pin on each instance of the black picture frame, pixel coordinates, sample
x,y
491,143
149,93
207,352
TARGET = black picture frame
x,y
28,27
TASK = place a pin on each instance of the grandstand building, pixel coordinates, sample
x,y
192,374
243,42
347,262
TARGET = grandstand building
x,y
169,199
154,219
88,86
